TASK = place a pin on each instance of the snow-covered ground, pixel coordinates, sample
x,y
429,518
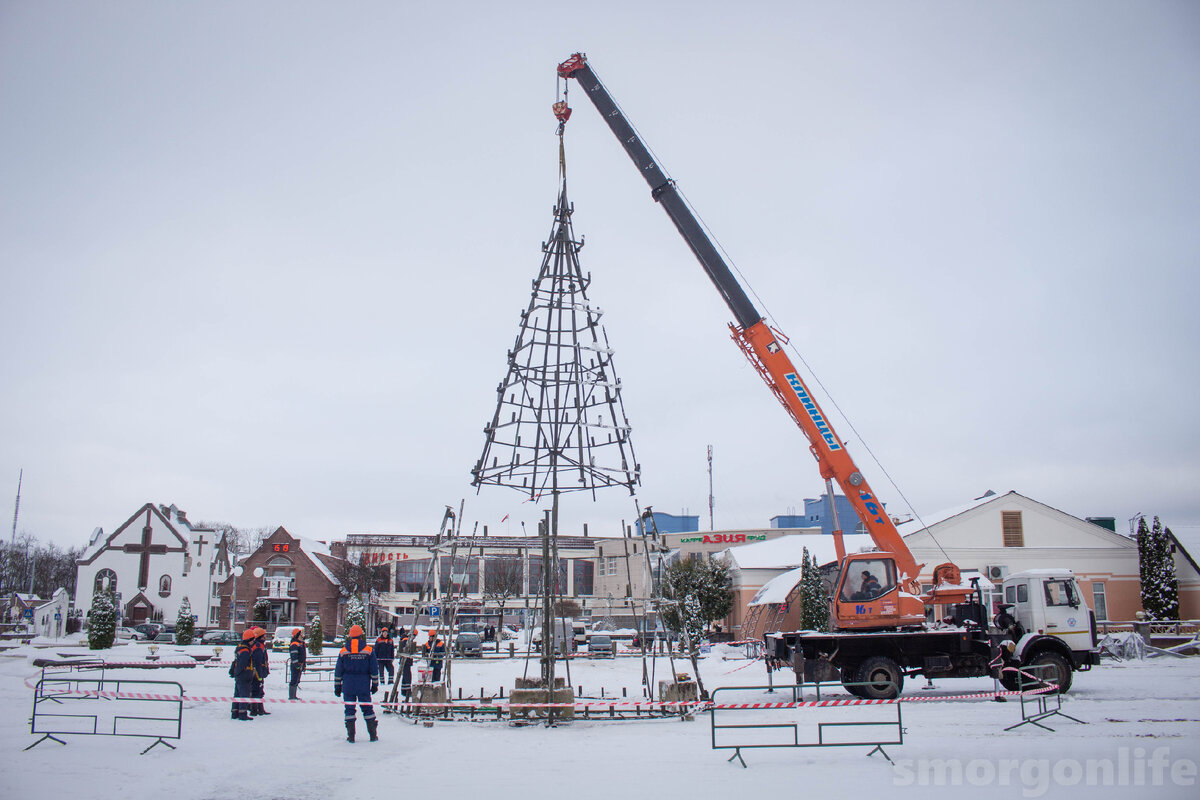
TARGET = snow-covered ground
x,y
1142,734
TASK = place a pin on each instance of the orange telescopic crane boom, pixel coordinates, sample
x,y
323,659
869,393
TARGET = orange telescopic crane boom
x,y
858,605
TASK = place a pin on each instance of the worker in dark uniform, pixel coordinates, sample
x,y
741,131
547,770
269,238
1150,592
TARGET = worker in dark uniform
x,y
261,670
298,654
355,678
385,653
407,651
437,653
242,672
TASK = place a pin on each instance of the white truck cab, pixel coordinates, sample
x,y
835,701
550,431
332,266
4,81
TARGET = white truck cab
x,y
1049,621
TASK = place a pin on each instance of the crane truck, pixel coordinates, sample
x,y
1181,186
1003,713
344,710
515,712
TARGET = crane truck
x,y
878,608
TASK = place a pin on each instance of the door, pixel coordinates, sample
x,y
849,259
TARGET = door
x,y
1066,613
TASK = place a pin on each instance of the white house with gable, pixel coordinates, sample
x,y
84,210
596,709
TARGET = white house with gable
x,y
152,561
999,534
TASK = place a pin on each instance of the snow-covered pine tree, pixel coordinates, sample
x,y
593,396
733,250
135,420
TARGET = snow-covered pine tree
x,y
185,628
703,589
262,610
316,636
1156,568
1170,580
102,622
356,614
814,604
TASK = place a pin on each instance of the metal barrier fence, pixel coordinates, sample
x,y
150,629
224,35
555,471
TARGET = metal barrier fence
x,y
1039,697
792,721
75,706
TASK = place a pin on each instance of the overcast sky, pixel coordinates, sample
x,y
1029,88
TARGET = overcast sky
x,y
264,260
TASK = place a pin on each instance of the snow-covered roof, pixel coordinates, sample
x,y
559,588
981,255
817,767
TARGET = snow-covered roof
x,y
776,590
929,520
1189,540
317,548
786,552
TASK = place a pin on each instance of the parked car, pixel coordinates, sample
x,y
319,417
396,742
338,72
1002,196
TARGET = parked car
x,y
221,638
164,637
281,640
469,645
148,630
601,645
129,633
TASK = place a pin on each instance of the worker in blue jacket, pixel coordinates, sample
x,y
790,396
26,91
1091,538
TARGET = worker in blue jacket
x,y
385,652
242,672
261,669
355,678
298,656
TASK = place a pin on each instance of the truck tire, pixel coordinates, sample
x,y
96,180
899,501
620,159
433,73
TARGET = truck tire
x,y
1058,669
882,677
849,676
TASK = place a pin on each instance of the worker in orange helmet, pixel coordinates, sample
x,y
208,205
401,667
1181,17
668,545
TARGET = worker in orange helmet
x,y
258,654
298,655
355,679
242,672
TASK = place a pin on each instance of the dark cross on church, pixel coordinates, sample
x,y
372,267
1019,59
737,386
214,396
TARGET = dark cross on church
x,y
200,542
145,548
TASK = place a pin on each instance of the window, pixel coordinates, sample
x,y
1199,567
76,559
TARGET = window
x,y
584,571
1023,593
106,581
216,589
868,579
612,565
310,611
214,615
535,576
279,576
410,575
1099,600
1060,593
502,576
1010,594
164,586
241,611
1014,531
459,577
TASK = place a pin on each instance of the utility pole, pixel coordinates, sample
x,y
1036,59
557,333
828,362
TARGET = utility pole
x,y
16,508
710,490
11,581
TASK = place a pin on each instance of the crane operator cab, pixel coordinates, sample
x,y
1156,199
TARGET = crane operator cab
x,y
870,594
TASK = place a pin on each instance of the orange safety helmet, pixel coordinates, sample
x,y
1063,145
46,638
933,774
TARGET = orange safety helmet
x,y
296,632
355,630
248,634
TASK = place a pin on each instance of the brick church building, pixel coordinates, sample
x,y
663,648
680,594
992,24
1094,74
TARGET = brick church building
x,y
297,576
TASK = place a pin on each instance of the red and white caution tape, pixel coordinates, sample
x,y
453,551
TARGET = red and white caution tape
x,y
695,705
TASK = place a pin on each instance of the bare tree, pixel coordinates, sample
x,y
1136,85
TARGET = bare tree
x,y
361,573
26,565
241,541
502,580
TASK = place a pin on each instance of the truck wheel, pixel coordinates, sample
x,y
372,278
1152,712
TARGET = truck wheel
x,y
1056,670
882,678
1010,681
849,676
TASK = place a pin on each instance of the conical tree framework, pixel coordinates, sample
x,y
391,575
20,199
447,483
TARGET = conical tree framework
x,y
560,423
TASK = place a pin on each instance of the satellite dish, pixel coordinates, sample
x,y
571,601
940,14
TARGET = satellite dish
x,y
258,572
237,571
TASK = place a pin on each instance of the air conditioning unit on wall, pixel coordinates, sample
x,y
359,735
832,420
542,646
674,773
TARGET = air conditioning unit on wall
x,y
997,573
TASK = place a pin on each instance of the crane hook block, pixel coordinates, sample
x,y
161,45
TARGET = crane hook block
x,y
562,112
568,67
